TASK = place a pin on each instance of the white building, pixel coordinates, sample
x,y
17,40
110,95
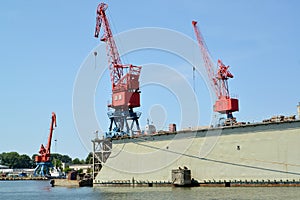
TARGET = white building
x,y
3,167
84,167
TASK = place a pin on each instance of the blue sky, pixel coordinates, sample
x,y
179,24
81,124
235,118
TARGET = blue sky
x,y
44,43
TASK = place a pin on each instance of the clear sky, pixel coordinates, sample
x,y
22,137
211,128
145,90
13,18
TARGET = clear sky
x,y
44,43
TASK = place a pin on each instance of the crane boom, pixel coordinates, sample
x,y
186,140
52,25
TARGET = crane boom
x,y
224,104
114,62
206,58
125,87
52,125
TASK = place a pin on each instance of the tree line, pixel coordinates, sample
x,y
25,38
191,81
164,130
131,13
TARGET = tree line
x,y
16,161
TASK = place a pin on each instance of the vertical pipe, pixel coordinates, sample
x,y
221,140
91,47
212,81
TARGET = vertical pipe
x,y
298,110
93,141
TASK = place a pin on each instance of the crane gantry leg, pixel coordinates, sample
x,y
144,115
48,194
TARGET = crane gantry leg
x,y
124,122
42,169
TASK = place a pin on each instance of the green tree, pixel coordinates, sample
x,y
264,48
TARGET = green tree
x,y
67,170
33,160
89,170
77,161
89,159
62,158
25,161
57,163
14,160
10,159
66,159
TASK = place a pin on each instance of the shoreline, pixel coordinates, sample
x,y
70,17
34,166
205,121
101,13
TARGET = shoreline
x,y
23,179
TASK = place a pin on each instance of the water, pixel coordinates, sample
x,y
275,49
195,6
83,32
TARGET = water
x,y
31,190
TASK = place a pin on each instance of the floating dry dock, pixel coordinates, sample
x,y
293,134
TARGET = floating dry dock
x,y
220,183
260,154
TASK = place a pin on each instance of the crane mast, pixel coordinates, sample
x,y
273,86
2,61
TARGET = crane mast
x,y
218,80
125,86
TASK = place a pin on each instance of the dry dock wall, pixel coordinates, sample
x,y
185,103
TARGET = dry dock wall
x,y
261,152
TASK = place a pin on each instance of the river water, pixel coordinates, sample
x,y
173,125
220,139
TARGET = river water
x,y
31,190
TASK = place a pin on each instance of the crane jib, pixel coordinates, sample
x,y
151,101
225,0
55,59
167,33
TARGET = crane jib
x,y
218,81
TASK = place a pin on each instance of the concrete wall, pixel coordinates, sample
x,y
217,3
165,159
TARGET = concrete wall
x,y
256,152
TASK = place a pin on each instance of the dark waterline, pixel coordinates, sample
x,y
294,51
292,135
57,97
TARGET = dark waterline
x,y
31,190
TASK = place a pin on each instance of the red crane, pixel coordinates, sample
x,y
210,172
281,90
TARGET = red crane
x,y
224,103
43,159
125,86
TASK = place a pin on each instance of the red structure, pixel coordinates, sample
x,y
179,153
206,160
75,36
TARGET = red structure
x,y
43,159
224,103
124,79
